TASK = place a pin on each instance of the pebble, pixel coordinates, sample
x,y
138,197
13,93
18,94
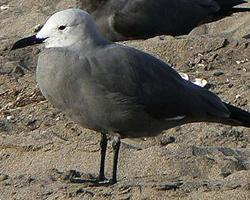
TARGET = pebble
x,y
32,123
10,117
36,28
201,65
241,61
200,82
4,7
218,73
230,85
238,96
3,177
165,140
4,126
169,186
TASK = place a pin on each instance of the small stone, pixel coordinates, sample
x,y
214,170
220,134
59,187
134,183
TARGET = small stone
x,y
10,117
218,73
169,186
201,65
230,85
36,28
200,82
225,173
4,125
238,96
3,177
4,7
165,140
33,124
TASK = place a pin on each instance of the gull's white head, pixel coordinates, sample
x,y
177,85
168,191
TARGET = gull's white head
x,y
68,27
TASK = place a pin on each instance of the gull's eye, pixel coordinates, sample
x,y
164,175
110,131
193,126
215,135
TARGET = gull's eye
x,y
62,27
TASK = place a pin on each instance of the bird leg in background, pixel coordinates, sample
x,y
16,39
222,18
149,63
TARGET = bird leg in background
x,y
116,147
103,146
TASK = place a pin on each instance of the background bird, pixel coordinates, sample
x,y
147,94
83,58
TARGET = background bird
x,y
134,19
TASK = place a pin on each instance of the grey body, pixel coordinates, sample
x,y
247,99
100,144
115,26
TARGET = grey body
x,y
130,93
130,19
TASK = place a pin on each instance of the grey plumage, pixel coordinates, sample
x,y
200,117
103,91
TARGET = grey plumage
x,y
131,19
116,89
130,92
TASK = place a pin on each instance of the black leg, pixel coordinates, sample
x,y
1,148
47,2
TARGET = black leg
x,y
103,146
116,147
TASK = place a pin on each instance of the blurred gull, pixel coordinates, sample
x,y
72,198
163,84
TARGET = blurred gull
x,y
133,19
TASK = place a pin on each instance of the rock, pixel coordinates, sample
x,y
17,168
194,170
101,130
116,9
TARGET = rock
x,y
4,125
170,186
4,7
33,123
36,28
200,82
10,117
218,73
165,140
3,177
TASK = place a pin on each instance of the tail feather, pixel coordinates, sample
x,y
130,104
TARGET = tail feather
x,y
227,8
230,3
238,117
241,9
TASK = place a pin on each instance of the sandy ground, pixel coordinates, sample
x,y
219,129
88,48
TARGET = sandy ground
x,y
44,155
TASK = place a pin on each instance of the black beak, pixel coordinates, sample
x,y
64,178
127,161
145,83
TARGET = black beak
x,y
28,41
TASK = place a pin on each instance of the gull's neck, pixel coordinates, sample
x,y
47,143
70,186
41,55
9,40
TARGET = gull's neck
x,y
90,42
